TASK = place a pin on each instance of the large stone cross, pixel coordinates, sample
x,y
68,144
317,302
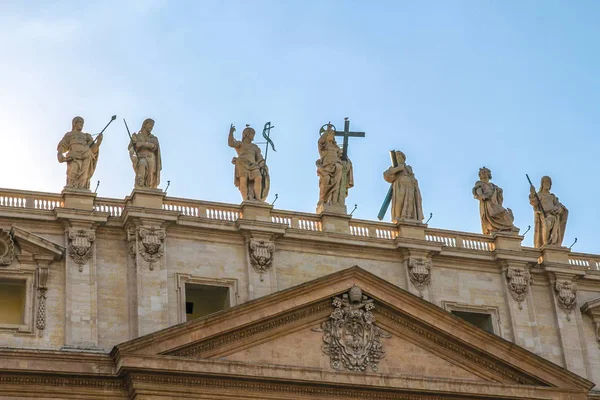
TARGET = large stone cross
x,y
346,134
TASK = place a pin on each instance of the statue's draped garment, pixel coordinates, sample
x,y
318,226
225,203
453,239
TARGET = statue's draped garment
x,y
335,175
81,158
494,217
150,175
549,230
247,166
406,196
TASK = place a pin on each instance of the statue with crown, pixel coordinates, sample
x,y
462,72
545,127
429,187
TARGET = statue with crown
x,y
251,175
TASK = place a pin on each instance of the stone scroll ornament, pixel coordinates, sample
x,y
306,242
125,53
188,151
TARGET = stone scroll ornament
x,y
419,271
151,245
351,338
40,321
7,249
261,255
566,296
80,245
518,284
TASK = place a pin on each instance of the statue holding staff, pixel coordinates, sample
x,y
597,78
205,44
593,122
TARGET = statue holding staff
x,y
144,151
80,151
550,216
494,217
335,174
406,197
251,174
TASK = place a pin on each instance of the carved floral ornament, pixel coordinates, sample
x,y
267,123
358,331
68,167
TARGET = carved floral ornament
x,y
80,245
350,337
7,248
151,244
566,298
419,272
518,284
261,254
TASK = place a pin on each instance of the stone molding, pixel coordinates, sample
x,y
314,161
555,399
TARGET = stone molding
x,y
261,254
592,309
7,248
518,282
42,282
181,280
419,272
81,245
566,295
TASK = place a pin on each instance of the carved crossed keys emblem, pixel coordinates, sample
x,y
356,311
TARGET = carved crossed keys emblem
x,y
350,337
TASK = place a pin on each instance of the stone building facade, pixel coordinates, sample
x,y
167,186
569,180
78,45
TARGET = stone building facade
x,y
163,298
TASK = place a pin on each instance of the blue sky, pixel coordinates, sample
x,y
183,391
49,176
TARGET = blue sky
x,y
511,85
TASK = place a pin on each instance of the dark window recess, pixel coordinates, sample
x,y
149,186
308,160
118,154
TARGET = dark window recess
x,y
201,300
484,321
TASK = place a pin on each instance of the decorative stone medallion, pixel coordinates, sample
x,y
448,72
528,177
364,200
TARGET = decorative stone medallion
x,y
518,284
80,245
261,254
151,244
351,338
7,248
419,271
567,296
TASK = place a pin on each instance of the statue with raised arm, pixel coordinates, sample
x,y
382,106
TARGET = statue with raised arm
x,y
335,175
251,175
80,151
406,196
144,151
550,216
494,217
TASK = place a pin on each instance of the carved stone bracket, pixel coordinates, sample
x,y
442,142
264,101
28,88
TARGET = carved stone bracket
x,y
566,298
7,248
518,280
42,282
80,245
261,254
350,337
151,244
419,272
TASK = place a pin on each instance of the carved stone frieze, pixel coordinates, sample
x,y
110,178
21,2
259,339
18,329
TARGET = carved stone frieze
x,y
7,248
261,254
80,245
351,338
518,284
419,272
151,244
566,298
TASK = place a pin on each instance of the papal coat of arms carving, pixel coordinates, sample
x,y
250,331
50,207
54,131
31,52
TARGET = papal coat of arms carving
x,y
351,338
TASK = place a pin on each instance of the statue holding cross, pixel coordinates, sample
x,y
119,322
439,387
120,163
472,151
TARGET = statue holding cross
x,y
334,168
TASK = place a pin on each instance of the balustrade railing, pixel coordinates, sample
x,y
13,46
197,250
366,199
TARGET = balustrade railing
x,y
113,207
30,199
589,261
460,240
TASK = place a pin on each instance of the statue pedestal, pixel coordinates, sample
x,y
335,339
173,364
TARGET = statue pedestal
x,y
332,209
507,241
412,229
555,254
80,199
146,198
256,210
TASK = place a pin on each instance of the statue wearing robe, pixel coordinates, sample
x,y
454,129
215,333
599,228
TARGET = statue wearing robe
x,y
144,151
406,196
251,174
494,217
80,152
335,174
549,229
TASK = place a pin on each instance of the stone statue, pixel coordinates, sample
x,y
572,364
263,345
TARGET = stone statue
x,y
80,152
144,151
335,174
406,196
549,228
494,217
251,174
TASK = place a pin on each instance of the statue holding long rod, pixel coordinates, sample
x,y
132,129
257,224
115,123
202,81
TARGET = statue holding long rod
x,y
80,151
550,216
144,151
251,174
404,193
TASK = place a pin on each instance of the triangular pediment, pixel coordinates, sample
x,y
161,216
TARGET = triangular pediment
x,y
288,329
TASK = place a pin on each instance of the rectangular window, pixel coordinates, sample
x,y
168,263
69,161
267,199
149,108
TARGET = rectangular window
x,y
201,300
484,321
12,301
